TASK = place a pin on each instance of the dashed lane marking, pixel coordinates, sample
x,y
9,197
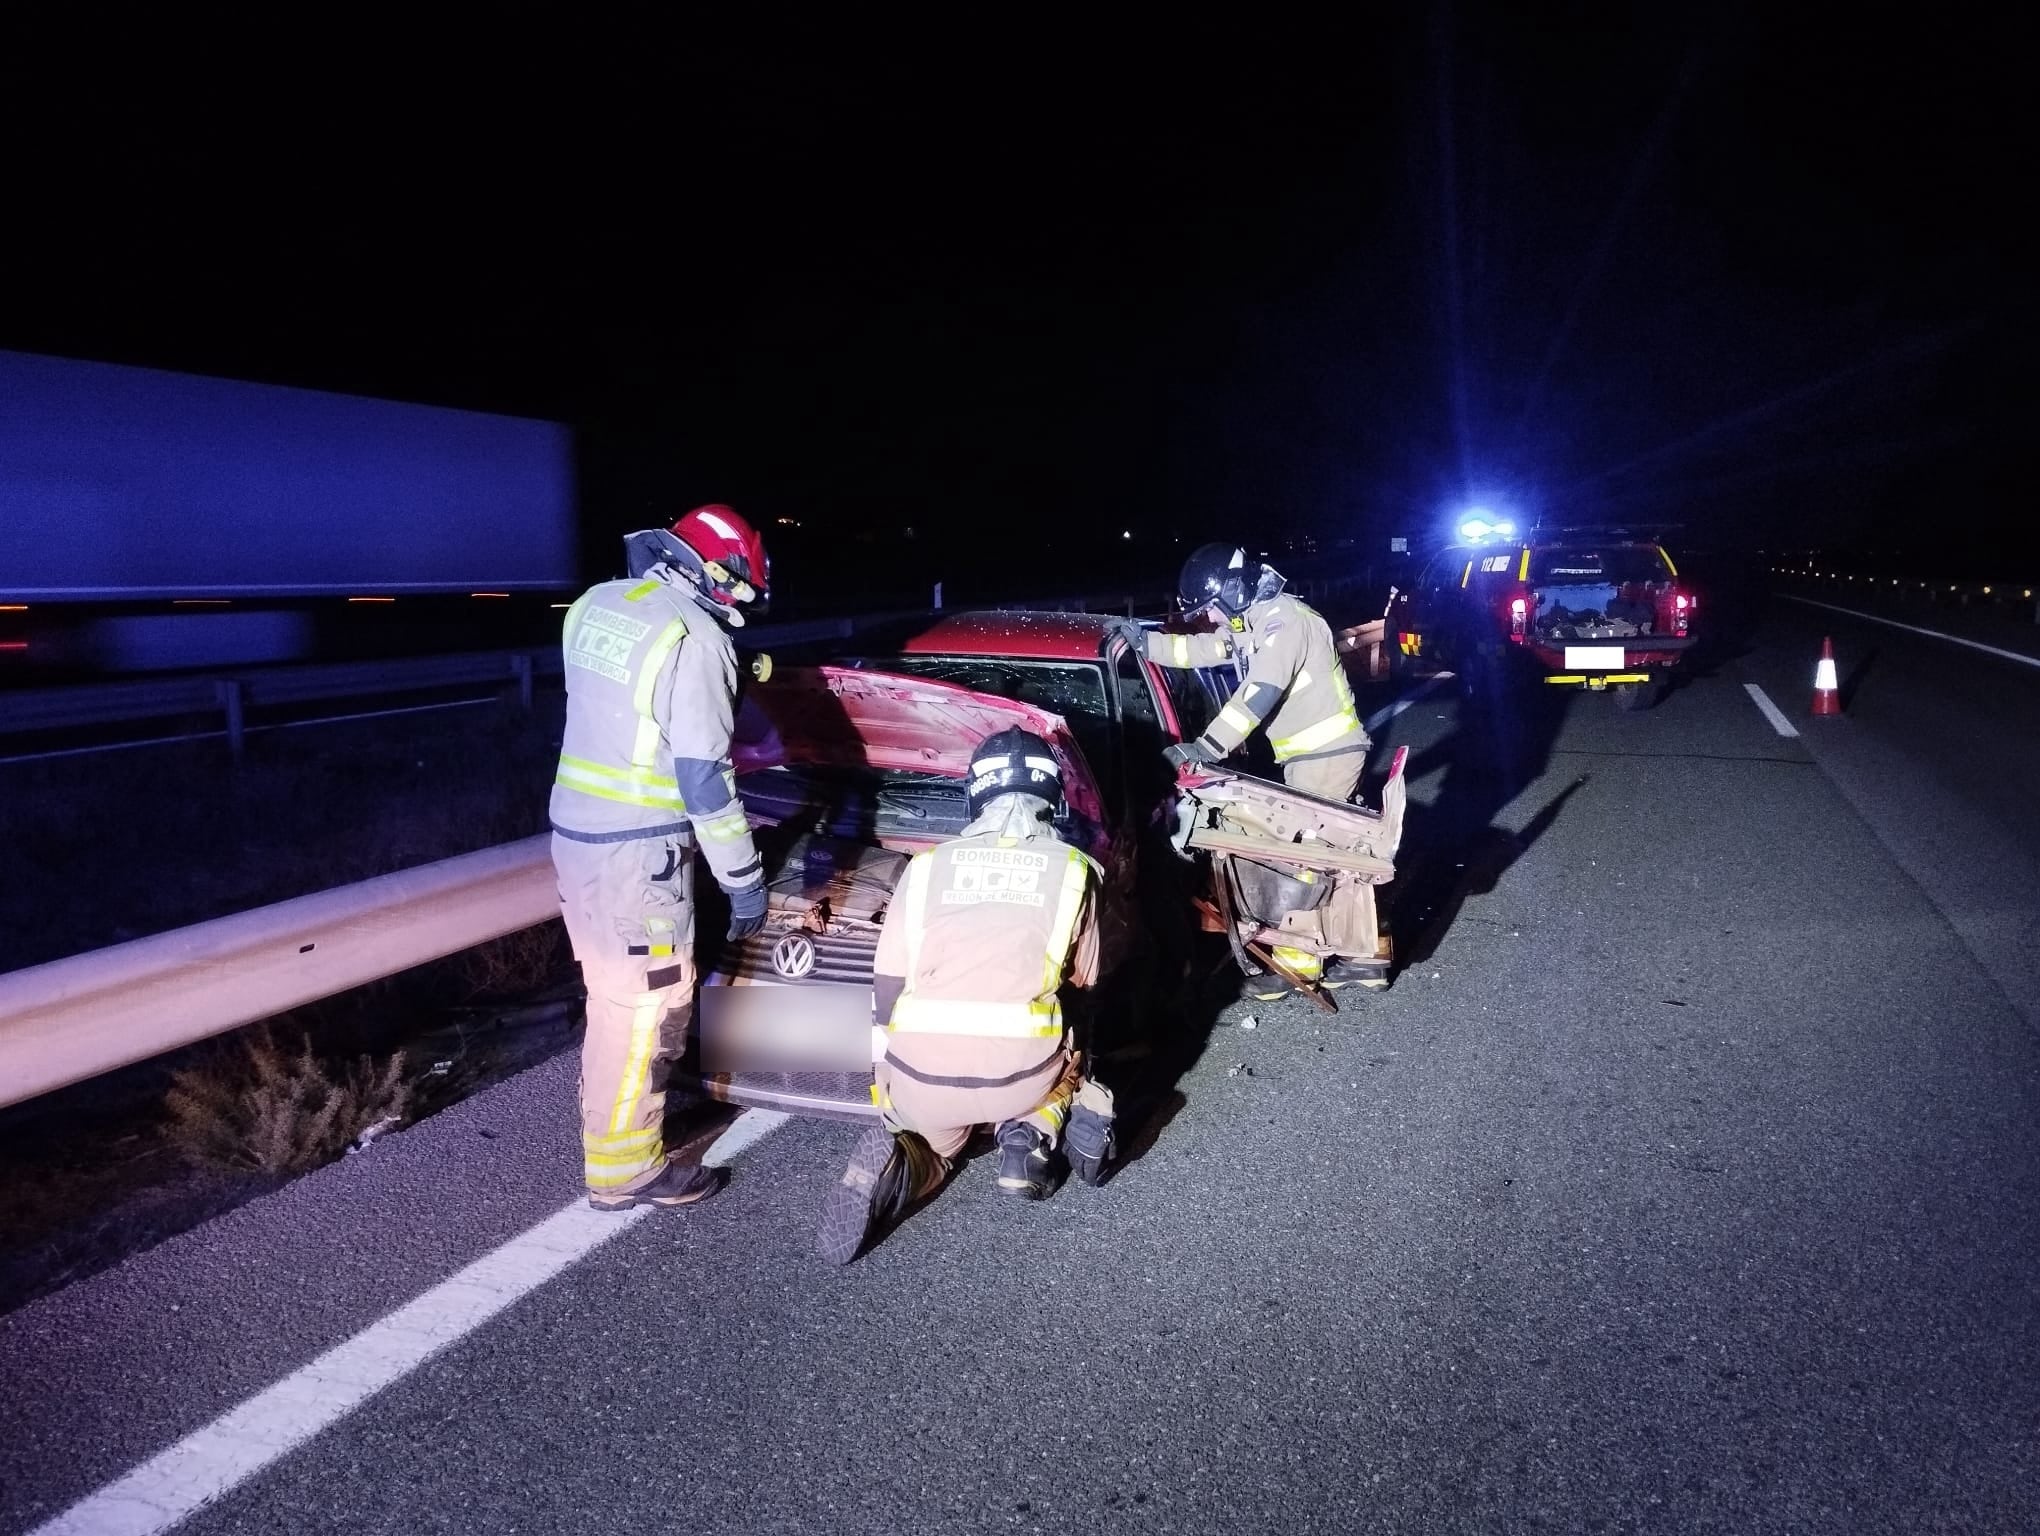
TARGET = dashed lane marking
x,y
1388,712
1771,711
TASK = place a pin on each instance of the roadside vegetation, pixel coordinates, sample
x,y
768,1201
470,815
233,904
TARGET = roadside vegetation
x,y
114,846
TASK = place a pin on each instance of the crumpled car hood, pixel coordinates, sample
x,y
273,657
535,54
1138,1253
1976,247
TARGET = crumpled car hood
x,y
855,718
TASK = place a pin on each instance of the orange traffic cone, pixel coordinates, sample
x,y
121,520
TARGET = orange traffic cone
x,y
1827,699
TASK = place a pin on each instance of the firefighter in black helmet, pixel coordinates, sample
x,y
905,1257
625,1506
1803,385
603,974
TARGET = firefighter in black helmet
x,y
978,943
1295,683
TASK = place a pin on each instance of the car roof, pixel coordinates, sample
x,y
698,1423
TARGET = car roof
x,y
1033,634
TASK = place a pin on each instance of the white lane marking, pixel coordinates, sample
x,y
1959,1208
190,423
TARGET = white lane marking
x,y
1388,712
1931,634
745,1132
211,1461
1771,711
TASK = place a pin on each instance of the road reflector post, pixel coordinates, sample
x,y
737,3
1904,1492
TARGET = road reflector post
x,y
1826,695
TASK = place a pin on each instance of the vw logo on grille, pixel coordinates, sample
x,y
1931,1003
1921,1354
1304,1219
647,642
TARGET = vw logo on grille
x,y
793,956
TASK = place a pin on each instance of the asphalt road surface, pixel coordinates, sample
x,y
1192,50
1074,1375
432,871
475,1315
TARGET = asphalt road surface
x,y
1688,1180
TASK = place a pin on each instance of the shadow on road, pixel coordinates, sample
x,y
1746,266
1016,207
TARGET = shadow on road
x,y
1846,693
1452,847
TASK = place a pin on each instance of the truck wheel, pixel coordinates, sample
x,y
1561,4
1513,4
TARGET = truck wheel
x,y
1634,696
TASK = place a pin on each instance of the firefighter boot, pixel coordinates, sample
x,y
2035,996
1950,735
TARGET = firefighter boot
x,y
677,1184
1087,1139
889,1173
1026,1165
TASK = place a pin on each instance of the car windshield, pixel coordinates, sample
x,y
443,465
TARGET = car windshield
x,y
1598,564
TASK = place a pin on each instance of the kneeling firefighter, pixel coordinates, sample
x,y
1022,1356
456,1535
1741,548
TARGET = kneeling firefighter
x,y
645,771
977,945
1295,682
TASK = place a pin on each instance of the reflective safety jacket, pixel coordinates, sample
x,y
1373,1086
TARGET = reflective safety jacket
x,y
976,946
1295,684
651,699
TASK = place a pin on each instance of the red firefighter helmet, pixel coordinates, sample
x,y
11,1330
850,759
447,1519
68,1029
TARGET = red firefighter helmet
x,y
735,569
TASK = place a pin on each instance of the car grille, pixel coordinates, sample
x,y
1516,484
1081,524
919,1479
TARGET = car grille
x,y
839,958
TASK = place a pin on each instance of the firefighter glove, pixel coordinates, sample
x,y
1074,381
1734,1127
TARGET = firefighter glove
x,y
1134,636
1183,754
747,910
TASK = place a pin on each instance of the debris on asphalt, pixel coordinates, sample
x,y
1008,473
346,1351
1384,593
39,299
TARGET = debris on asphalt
x,y
369,1133
1239,1069
1250,1022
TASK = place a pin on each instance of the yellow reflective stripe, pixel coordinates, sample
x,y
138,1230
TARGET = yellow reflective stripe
x,y
667,802
626,787
644,1037
1668,563
632,775
726,828
1523,570
641,591
1067,904
947,1016
1238,719
1179,650
611,1144
654,659
1465,574
1323,734
644,749
602,1178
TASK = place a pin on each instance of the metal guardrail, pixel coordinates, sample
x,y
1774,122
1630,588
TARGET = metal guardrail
x,y
75,1018
223,701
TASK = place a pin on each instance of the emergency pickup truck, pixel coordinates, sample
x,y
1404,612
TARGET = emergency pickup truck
x,y
1593,609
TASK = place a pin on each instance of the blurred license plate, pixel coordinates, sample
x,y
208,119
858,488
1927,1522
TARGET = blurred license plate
x,y
1594,658
818,1027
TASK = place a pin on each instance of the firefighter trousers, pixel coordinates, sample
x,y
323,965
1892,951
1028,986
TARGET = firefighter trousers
x,y
629,909
1332,777
943,1114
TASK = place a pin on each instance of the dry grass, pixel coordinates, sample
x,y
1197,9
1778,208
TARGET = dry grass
x,y
516,965
277,1109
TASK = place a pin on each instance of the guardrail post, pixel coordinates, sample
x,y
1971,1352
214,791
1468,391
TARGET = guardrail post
x,y
521,665
230,701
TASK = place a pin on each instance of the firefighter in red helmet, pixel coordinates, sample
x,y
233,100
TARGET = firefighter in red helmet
x,y
645,778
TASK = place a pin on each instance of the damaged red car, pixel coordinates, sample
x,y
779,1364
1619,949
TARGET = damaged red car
x,y
848,768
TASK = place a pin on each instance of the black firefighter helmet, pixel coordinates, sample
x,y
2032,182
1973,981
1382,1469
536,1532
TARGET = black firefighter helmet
x,y
1221,576
1012,762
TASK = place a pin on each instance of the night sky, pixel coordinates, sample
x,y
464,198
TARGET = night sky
x,y
1022,282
